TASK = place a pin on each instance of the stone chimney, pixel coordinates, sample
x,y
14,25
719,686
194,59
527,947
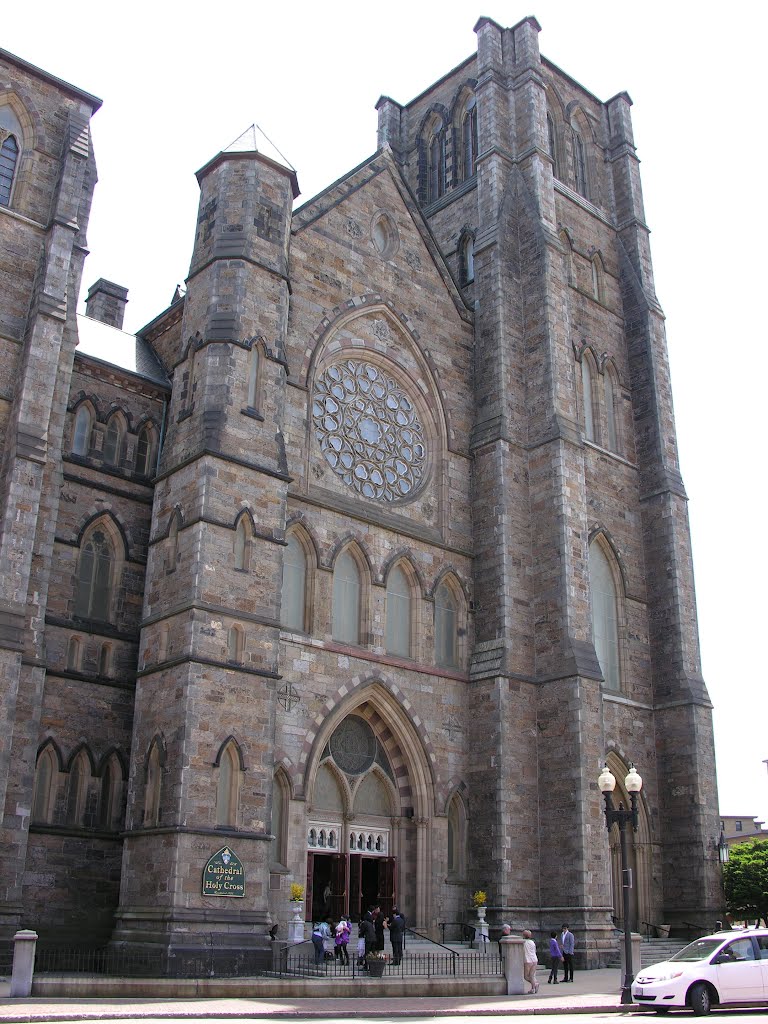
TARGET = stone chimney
x,y
106,302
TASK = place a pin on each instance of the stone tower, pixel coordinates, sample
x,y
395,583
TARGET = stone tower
x,y
44,210
209,647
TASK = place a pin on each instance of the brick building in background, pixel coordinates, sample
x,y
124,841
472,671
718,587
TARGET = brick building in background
x,y
362,557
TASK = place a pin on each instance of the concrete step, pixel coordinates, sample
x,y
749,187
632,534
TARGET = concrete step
x,y
652,951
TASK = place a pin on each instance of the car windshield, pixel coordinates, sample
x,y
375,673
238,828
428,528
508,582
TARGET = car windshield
x,y
698,950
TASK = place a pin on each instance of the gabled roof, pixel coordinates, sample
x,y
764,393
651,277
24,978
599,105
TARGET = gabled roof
x,y
382,162
93,101
101,341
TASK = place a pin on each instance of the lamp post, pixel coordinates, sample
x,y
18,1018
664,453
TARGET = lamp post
x,y
621,816
723,851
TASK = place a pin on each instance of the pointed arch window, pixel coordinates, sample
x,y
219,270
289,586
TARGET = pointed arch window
x,y
293,600
152,786
552,141
44,794
346,599
113,441
74,650
110,797
146,451
254,364
81,437
457,838
228,787
235,644
398,613
77,790
604,607
610,411
467,257
436,166
95,578
172,544
243,544
105,660
469,140
587,389
597,277
9,158
279,826
446,627
579,164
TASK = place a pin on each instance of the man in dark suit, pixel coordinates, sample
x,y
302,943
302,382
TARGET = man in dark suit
x,y
396,932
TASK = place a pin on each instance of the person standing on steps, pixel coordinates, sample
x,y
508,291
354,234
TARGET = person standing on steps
x,y
396,932
531,961
368,934
320,932
567,944
556,955
341,940
378,925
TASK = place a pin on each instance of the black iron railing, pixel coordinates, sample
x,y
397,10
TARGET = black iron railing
x,y
420,965
200,962
211,962
6,959
457,931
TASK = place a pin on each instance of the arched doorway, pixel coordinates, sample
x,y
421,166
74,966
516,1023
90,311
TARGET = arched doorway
x,y
369,810
638,856
351,859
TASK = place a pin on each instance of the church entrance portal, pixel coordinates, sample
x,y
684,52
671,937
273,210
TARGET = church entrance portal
x,y
348,884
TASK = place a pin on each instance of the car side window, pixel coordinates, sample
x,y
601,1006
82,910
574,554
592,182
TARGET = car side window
x,y
741,949
762,945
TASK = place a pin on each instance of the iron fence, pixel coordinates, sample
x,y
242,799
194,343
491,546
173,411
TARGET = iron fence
x,y
215,962
423,965
6,959
199,962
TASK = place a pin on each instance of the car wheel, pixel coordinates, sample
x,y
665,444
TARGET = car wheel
x,y
699,999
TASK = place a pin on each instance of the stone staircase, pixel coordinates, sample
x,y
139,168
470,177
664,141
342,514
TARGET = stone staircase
x,y
652,951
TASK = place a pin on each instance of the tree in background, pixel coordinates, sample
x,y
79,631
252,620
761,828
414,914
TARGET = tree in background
x,y
745,880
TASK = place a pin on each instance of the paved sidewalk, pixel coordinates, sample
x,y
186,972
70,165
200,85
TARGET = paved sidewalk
x,y
590,992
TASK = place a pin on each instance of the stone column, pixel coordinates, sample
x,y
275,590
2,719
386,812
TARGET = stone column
x,y
511,947
24,945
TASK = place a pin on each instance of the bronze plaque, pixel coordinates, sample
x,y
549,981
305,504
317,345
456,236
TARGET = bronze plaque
x,y
224,875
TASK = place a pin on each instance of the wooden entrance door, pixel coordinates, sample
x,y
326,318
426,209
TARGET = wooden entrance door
x,y
326,871
372,880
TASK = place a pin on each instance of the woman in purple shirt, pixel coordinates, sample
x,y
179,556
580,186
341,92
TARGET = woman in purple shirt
x,y
557,957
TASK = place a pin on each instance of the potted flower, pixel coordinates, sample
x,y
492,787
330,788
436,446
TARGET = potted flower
x,y
479,902
296,904
376,961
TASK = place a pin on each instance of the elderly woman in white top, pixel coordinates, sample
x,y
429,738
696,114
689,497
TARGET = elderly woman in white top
x,y
531,961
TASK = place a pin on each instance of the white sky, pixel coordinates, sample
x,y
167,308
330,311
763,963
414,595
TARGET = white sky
x,y
181,81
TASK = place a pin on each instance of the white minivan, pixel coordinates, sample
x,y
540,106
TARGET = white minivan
x,y
725,969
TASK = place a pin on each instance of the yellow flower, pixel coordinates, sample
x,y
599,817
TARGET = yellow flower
x,y
297,892
479,898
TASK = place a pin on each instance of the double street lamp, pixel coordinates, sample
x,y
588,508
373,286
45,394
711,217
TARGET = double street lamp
x,y
621,816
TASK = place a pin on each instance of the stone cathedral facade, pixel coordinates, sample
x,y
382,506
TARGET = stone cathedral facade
x,y
355,565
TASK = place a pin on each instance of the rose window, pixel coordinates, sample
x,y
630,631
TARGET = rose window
x,y
368,430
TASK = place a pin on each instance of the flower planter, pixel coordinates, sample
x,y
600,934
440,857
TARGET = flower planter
x,y
296,922
376,968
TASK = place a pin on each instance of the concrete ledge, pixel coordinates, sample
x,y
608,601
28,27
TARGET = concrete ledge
x,y
89,987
